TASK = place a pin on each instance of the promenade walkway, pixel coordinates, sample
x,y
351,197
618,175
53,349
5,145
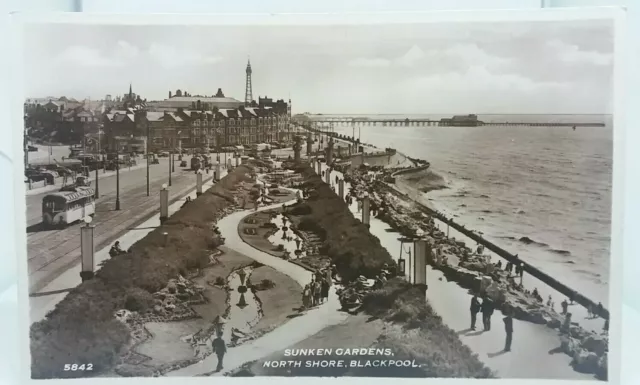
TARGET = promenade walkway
x,y
57,289
533,350
292,332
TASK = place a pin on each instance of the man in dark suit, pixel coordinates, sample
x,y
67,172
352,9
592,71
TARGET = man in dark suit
x,y
508,328
219,348
475,308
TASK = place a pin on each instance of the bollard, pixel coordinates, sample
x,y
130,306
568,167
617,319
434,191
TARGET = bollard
x,y
341,188
365,210
199,183
218,174
164,204
237,161
87,250
319,165
327,177
165,237
420,262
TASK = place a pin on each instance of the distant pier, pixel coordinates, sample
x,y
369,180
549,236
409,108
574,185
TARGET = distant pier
x,y
427,122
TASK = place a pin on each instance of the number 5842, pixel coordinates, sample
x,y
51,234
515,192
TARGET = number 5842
x,y
76,367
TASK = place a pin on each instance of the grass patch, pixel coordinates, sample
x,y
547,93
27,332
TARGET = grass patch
x,y
419,334
347,241
82,329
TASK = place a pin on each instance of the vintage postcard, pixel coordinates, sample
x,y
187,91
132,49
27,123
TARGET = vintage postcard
x,y
352,197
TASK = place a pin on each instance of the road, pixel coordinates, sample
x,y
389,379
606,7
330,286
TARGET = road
x,y
51,252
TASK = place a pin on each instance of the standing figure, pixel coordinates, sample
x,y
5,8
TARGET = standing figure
x,y
324,290
508,328
487,312
317,292
475,308
219,348
306,297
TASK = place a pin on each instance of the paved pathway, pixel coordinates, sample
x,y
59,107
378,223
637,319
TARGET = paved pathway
x,y
50,252
40,305
531,355
292,332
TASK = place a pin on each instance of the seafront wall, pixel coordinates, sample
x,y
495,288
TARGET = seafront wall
x,y
528,268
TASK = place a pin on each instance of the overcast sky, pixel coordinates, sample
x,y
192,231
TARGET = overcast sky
x,y
537,67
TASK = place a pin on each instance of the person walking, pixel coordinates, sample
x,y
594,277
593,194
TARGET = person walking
x,y
219,348
508,328
487,312
306,297
475,308
565,306
317,292
324,290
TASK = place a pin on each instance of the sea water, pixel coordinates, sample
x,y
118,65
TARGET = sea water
x,y
543,193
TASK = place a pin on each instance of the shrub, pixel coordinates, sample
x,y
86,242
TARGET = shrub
x,y
219,281
348,242
82,328
300,209
265,284
138,300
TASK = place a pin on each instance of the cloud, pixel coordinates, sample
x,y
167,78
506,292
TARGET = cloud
x,y
83,56
375,62
171,57
455,56
570,53
413,56
480,79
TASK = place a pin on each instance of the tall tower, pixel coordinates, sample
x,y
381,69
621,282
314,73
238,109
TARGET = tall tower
x,y
248,94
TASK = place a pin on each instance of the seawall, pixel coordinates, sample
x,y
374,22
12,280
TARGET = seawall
x,y
528,268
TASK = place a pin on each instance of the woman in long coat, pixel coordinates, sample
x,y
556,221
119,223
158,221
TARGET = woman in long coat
x,y
324,289
306,296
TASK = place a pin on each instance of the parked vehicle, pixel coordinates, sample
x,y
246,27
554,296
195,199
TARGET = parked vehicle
x,y
65,207
32,148
164,154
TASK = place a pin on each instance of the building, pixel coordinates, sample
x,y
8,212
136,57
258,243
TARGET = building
x,y
184,100
462,121
61,120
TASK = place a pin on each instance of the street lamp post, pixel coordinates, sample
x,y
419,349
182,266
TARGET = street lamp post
x,y
170,169
147,151
117,176
87,249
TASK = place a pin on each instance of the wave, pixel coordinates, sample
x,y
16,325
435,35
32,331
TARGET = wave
x,y
529,241
483,196
561,252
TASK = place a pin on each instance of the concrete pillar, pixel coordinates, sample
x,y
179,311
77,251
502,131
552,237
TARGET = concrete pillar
x,y
319,167
365,210
199,183
309,144
420,262
87,251
164,204
327,177
341,188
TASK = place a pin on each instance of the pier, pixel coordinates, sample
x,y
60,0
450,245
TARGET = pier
x,y
438,123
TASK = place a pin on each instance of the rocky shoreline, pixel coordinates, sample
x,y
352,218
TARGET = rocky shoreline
x,y
474,271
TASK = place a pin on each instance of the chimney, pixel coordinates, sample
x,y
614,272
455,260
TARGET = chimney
x,y
169,94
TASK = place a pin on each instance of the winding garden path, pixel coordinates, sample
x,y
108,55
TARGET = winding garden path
x,y
297,329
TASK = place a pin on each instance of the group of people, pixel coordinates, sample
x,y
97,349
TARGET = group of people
x,y
317,291
487,307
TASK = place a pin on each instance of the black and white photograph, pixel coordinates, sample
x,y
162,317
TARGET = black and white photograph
x,y
407,200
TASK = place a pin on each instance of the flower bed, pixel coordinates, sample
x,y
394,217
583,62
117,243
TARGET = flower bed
x,y
82,328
